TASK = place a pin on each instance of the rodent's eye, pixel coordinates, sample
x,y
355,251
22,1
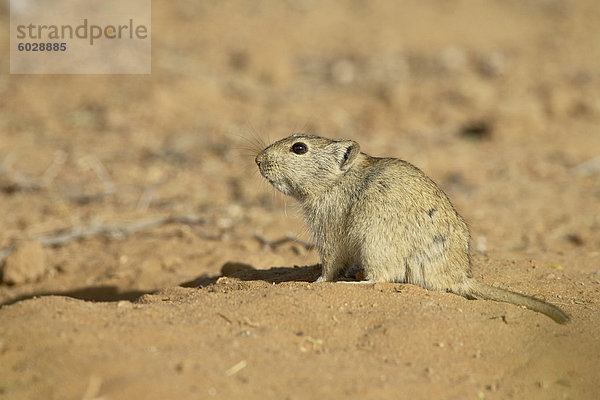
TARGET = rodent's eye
x,y
299,148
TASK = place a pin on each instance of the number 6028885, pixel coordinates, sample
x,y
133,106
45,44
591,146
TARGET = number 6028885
x,y
42,46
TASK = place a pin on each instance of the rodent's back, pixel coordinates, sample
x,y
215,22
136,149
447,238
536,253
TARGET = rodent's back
x,y
398,207
392,179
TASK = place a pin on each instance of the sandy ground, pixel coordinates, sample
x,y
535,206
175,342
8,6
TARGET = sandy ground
x,y
499,102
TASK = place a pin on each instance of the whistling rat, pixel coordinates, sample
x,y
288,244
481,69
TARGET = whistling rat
x,y
382,214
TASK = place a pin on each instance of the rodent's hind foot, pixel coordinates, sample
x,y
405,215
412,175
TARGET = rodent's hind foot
x,y
355,271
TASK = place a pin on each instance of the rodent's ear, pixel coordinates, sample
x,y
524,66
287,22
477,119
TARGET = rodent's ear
x,y
348,150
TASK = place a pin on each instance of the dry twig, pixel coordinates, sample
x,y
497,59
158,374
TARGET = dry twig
x,y
114,230
12,181
589,167
61,238
276,243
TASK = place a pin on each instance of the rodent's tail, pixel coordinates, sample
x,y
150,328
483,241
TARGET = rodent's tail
x,y
482,290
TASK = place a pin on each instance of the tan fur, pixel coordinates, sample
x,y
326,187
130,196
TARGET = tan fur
x,y
381,214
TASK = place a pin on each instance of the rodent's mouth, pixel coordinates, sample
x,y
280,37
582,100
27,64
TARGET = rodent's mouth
x,y
265,169
264,173
282,187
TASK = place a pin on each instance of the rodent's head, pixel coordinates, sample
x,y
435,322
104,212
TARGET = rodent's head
x,y
304,165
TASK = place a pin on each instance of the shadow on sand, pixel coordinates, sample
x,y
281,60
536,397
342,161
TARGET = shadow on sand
x,y
237,270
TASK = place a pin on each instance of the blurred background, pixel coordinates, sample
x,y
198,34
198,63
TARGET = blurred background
x,y
498,101
137,193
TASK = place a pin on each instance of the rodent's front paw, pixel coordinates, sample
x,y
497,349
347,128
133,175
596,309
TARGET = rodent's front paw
x,y
320,279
